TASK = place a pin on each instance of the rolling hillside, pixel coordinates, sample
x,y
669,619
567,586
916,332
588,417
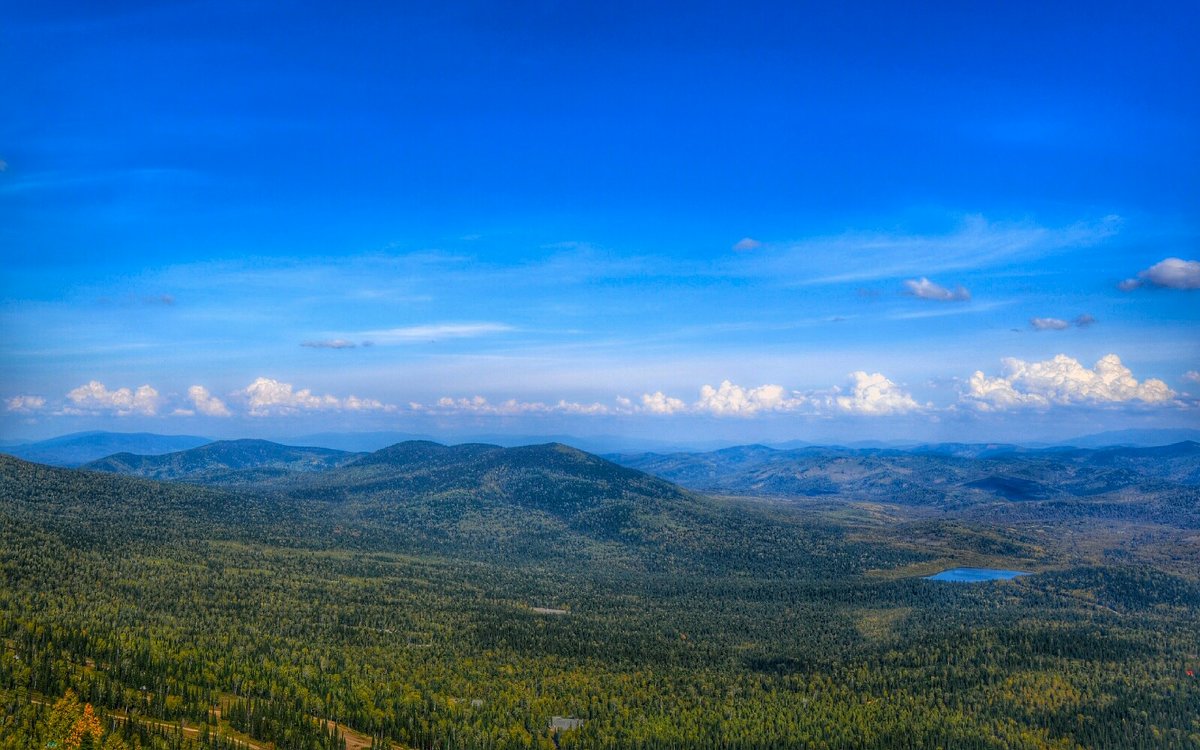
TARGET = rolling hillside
x,y
426,592
937,474
223,461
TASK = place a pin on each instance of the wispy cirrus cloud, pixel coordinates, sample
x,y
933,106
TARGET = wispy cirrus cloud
x,y
329,344
435,331
975,243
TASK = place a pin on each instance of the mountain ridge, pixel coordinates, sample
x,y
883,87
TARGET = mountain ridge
x,y
221,458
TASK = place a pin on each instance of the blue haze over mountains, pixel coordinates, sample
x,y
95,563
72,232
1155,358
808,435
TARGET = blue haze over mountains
x,y
79,448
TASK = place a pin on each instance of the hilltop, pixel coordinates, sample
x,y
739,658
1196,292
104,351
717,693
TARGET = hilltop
x,y
223,461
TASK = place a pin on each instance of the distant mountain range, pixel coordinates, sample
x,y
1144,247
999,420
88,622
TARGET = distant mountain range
x,y
1144,438
82,447
79,448
941,474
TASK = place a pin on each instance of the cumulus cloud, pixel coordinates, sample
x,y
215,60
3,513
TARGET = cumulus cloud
x,y
868,394
1063,380
95,397
354,403
1192,375
874,395
926,289
329,344
511,407
660,403
734,400
24,404
1085,320
206,403
267,397
1171,273
746,244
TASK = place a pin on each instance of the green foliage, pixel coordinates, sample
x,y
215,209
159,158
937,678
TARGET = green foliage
x,y
398,596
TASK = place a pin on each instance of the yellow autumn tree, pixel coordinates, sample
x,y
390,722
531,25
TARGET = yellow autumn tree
x,y
63,715
86,731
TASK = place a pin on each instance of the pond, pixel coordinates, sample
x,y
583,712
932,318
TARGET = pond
x,y
976,575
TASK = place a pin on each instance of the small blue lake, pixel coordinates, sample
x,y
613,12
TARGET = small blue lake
x,y
976,575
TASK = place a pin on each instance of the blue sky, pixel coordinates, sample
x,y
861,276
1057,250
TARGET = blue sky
x,y
935,221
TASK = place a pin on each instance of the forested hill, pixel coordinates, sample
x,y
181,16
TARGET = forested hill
x,y
545,476
532,502
441,598
90,508
539,496
218,462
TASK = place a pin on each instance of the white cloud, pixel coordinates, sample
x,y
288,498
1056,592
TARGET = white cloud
x,y
1171,273
571,407
1049,324
869,395
1063,380
25,404
875,395
354,403
926,289
1084,320
746,244
1192,375
660,403
730,399
434,332
95,397
511,407
205,403
266,397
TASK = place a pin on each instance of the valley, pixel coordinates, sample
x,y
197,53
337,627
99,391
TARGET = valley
x,y
474,596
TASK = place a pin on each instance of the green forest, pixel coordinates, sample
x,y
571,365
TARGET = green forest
x,y
439,598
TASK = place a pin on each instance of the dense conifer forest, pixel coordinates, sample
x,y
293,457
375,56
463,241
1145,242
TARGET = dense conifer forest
x,y
432,597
